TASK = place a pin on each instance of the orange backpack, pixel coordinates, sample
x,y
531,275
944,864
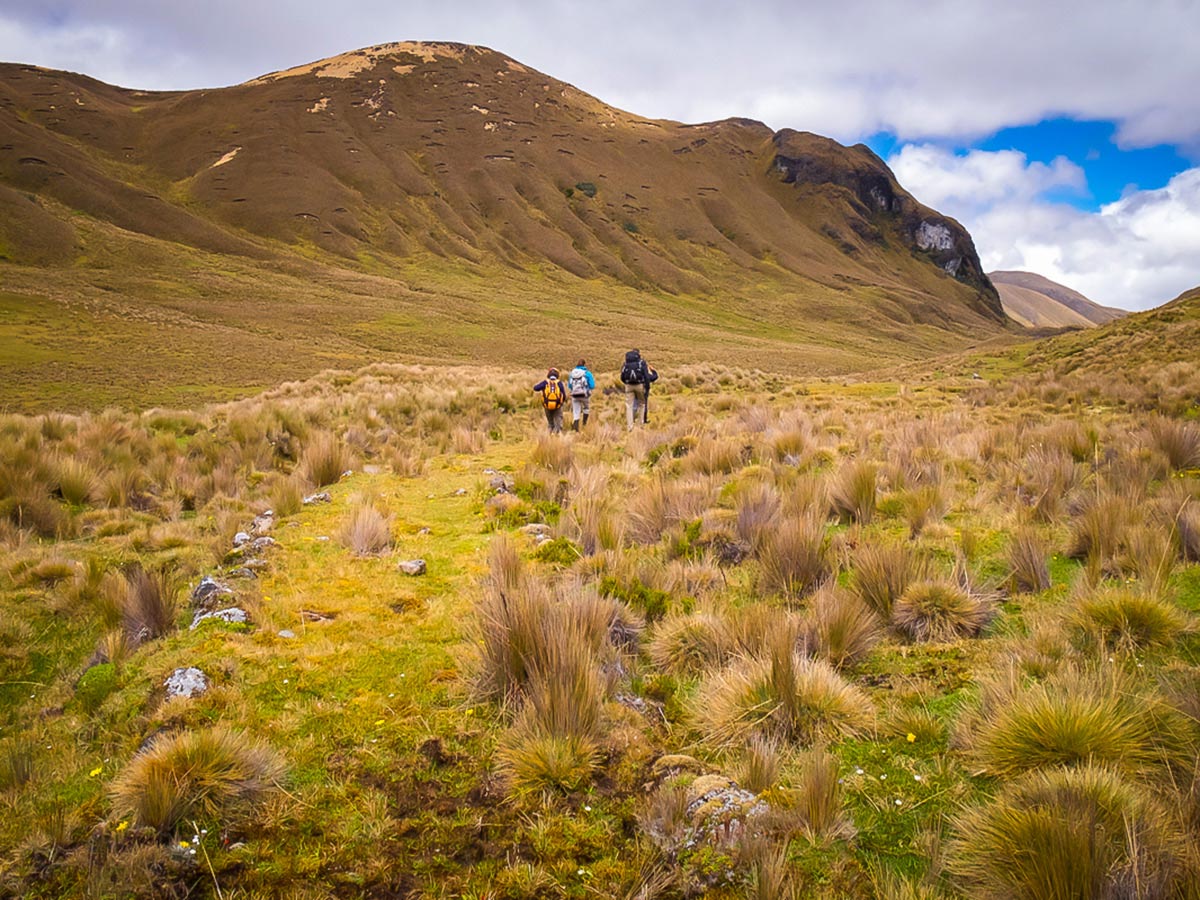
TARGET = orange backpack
x,y
553,394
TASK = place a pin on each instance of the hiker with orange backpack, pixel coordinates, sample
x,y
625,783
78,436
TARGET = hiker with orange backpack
x,y
554,398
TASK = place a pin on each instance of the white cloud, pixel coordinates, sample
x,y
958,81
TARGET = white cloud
x,y
1135,253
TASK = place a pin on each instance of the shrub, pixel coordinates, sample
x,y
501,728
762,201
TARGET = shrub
x,y
794,559
882,572
780,697
210,775
1068,833
852,495
1027,558
939,611
839,628
366,531
1119,618
95,685
324,459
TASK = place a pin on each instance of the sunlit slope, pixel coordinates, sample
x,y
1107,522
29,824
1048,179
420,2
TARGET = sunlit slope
x,y
444,202
1037,302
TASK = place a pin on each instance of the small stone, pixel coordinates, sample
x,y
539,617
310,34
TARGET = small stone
x,y
234,615
186,682
412,566
263,522
424,531
241,538
208,591
287,633
322,497
461,492
242,572
535,528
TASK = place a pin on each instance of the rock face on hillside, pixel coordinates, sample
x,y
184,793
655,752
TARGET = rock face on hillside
x,y
403,152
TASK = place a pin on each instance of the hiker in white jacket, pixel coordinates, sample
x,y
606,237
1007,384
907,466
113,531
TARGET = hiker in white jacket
x,y
580,384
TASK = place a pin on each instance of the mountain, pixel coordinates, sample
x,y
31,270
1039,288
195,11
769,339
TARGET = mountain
x,y
1038,302
443,202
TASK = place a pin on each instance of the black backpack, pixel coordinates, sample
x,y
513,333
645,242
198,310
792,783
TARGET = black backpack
x,y
632,371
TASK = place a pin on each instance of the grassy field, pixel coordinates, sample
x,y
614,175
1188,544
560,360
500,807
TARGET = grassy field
x,y
922,637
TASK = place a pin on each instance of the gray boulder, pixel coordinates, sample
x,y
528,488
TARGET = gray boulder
x,y
187,682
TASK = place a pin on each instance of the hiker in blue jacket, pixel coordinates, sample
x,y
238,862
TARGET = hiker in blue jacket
x,y
580,383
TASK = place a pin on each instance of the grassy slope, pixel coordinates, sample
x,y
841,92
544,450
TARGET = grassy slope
x,y
389,790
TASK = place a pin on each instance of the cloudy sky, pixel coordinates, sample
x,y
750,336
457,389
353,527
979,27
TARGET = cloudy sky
x,y
1065,135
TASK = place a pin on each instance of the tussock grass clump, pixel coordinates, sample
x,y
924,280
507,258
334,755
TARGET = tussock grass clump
x,y
690,644
1069,833
882,572
794,559
661,503
1098,532
1076,719
1119,618
554,744
366,530
512,627
939,610
814,805
839,628
852,494
210,775
17,764
149,604
923,506
762,765
781,697
324,459
1027,558
1178,441
757,507
552,452
287,497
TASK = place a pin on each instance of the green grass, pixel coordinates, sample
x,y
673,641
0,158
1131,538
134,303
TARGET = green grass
x,y
393,776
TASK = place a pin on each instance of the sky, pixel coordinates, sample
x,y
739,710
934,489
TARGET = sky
x,y
1064,135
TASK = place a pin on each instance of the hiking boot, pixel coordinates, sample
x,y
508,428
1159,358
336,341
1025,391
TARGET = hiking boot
x,y
585,418
575,425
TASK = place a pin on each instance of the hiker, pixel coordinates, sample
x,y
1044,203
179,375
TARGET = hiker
x,y
637,376
554,397
581,383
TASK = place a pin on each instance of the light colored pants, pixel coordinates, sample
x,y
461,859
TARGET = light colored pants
x,y
635,405
580,406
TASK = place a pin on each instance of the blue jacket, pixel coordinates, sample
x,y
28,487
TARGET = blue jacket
x,y
591,381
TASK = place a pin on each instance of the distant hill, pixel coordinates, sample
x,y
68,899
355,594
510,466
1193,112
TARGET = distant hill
x,y
1038,302
442,203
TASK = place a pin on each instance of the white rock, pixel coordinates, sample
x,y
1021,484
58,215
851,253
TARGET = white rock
x,y
412,566
187,682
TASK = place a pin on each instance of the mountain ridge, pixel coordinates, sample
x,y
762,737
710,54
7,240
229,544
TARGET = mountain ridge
x,y
1038,302
436,166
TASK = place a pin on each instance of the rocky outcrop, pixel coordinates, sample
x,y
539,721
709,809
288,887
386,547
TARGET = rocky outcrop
x,y
884,208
